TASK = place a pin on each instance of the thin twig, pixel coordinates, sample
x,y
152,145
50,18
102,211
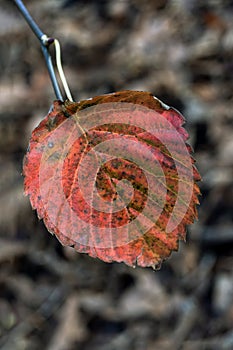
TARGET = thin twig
x,y
45,42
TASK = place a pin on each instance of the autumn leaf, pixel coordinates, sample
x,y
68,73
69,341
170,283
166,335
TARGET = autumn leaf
x,y
113,177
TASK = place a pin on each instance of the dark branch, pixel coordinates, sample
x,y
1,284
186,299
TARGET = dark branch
x,y
45,43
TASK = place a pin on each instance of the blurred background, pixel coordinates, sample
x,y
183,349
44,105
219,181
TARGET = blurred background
x,y
54,298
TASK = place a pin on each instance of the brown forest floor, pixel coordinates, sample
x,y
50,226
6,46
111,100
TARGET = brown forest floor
x,y
55,299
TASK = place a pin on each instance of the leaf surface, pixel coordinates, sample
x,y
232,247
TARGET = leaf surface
x,y
114,177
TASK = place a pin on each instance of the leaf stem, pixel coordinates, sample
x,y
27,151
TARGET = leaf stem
x,y
45,42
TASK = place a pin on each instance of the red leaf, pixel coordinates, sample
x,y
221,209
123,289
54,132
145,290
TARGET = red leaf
x,y
113,177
